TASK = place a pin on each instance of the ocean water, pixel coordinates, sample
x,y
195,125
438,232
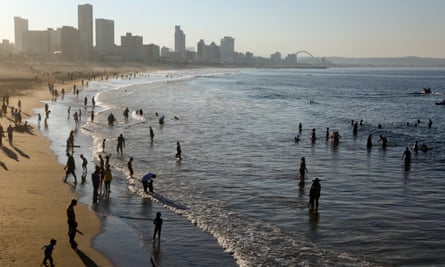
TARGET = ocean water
x,y
234,198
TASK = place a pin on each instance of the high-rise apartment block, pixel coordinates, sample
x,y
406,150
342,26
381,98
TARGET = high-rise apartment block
x,y
105,37
227,49
85,25
180,43
37,43
20,28
131,46
70,43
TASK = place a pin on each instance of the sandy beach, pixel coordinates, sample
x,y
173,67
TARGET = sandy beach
x,y
33,199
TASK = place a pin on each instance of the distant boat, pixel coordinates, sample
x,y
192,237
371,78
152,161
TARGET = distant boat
x,y
441,102
426,90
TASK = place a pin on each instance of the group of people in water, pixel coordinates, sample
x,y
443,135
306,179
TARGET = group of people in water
x,y
314,192
102,176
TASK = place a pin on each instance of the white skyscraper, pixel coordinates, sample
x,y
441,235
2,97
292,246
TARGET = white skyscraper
x,y
85,25
180,43
20,28
227,49
104,36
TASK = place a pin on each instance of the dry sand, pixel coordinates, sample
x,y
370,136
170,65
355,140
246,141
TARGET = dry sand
x,y
33,198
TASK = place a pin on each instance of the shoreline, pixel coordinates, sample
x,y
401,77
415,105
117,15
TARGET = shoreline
x,y
107,234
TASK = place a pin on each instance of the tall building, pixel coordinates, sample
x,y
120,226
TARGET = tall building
x,y
227,49
37,43
20,28
55,39
275,58
180,43
104,36
85,25
131,47
70,43
208,53
151,53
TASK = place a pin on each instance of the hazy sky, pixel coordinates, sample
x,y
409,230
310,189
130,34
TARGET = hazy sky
x,y
352,28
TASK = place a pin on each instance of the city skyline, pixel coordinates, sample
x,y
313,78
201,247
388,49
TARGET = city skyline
x,y
346,28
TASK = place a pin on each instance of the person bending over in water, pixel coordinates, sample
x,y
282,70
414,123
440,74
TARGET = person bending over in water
x,y
384,141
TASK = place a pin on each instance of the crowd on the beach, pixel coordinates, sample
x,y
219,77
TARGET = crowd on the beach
x,y
15,117
101,176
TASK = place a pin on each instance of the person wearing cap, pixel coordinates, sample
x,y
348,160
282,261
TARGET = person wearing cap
x,y
314,194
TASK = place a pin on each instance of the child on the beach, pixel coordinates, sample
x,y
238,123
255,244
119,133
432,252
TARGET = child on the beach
x,y
49,253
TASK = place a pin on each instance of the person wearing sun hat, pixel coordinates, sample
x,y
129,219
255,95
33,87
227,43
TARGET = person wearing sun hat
x,y
314,194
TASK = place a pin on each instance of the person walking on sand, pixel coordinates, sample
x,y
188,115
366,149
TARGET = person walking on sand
x,y
10,130
49,253
158,226
72,223
1,134
120,144
130,166
314,194
70,167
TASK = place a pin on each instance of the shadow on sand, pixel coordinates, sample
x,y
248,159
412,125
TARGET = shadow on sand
x,y
23,154
3,166
10,153
85,259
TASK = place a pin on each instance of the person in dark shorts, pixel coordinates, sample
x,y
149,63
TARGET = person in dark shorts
x,y
49,253
314,194
158,226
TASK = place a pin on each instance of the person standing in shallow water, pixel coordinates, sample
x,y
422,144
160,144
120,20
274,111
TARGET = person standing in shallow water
x,y
120,144
84,167
158,226
152,134
178,150
314,194
369,141
95,180
130,166
407,158
303,169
